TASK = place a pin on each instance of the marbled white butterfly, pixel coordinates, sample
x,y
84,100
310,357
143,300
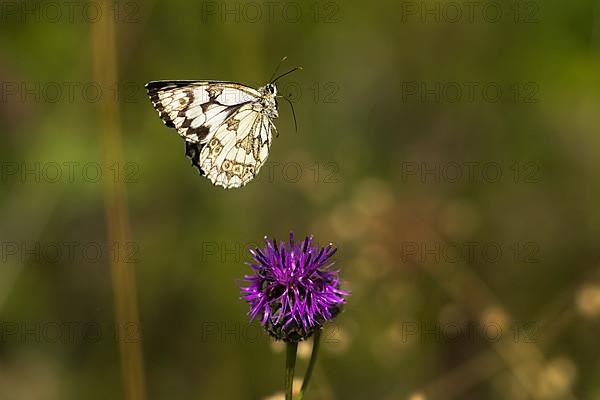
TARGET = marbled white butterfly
x,y
226,125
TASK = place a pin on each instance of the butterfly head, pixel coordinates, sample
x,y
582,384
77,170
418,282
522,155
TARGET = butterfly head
x,y
269,101
269,93
271,89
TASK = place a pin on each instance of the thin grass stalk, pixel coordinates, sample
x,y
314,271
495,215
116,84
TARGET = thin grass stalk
x,y
117,218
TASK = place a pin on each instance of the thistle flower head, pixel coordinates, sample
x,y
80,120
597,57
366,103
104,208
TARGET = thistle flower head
x,y
293,290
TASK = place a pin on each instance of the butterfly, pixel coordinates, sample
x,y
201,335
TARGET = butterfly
x,y
227,127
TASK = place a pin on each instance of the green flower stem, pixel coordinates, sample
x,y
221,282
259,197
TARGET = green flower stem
x,y
311,364
290,365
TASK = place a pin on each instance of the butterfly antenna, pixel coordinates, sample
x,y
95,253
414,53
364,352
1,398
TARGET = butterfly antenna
x,y
277,68
282,75
293,112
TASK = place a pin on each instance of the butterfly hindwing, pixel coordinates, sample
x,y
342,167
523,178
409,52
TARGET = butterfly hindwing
x,y
238,149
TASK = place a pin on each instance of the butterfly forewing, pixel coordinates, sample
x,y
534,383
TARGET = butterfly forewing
x,y
194,107
226,126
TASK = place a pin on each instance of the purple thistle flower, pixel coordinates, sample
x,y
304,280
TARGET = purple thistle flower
x,y
293,290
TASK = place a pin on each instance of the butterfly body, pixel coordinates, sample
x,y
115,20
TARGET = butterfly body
x,y
227,126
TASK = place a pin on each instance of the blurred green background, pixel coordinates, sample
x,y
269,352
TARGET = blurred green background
x,y
449,149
